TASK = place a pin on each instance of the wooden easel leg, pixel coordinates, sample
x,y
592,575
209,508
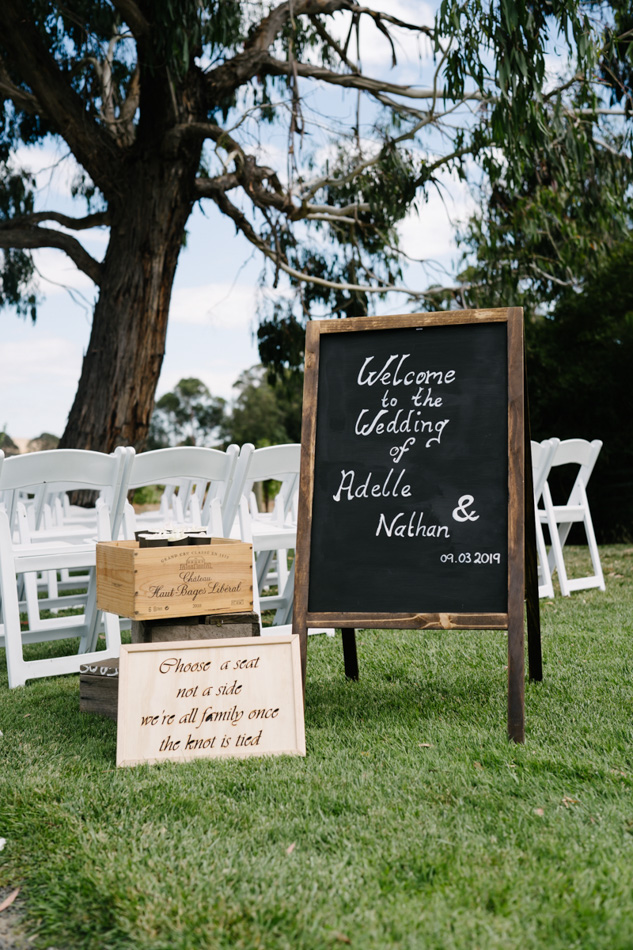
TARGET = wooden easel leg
x,y
516,677
350,656
300,629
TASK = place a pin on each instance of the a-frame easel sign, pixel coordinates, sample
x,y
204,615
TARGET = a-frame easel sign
x,y
412,507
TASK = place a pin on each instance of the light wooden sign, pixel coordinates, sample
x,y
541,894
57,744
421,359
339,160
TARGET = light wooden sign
x,y
210,699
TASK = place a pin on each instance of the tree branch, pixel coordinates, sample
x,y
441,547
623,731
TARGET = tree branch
x,y
56,99
277,67
96,220
331,42
255,60
133,16
209,187
245,227
27,237
249,174
23,100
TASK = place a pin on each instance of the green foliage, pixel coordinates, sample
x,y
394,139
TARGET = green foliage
x,y
529,244
7,444
500,48
189,415
616,62
281,342
189,26
579,364
17,272
265,411
149,494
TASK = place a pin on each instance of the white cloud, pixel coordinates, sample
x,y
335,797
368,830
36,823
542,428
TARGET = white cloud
x,y
430,234
37,384
217,305
412,49
59,274
54,169
54,358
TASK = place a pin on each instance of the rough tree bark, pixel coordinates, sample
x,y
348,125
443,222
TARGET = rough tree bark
x,y
121,367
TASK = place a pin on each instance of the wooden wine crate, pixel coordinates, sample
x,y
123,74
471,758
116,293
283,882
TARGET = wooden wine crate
x,y
179,581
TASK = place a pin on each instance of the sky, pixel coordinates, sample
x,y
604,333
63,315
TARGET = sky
x,y
213,317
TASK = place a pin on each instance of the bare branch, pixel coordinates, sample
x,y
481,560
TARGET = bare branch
x,y
27,237
331,42
58,102
209,187
332,209
332,218
278,67
96,220
255,60
271,26
243,224
315,186
133,16
249,174
131,104
22,99
387,18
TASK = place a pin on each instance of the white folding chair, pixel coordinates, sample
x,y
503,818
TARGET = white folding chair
x,y
559,518
74,469
200,472
542,454
272,534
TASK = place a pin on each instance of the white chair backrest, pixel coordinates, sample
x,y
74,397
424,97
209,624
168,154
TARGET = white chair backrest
x,y
274,461
197,464
577,452
542,454
279,462
67,470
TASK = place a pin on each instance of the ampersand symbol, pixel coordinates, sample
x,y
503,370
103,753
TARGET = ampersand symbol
x,y
460,513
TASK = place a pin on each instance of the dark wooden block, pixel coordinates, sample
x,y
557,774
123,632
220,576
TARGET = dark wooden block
x,y
212,627
99,688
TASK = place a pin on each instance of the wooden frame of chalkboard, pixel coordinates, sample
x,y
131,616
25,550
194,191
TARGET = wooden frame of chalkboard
x,y
411,503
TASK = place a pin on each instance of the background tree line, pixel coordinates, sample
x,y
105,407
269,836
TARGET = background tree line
x,y
263,412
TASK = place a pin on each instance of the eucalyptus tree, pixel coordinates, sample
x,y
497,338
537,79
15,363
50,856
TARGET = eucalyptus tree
x,y
188,415
165,103
552,220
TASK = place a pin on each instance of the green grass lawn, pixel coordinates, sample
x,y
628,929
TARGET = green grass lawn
x,y
411,823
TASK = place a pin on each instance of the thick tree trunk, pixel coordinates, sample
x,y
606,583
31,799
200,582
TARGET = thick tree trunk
x,y
115,396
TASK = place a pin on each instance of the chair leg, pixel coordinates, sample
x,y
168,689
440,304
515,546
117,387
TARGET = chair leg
x,y
92,616
16,666
558,535
284,611
545,588
593,544
263,561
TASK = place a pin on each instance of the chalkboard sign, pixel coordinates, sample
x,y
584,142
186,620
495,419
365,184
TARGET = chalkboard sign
x,y
411,502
